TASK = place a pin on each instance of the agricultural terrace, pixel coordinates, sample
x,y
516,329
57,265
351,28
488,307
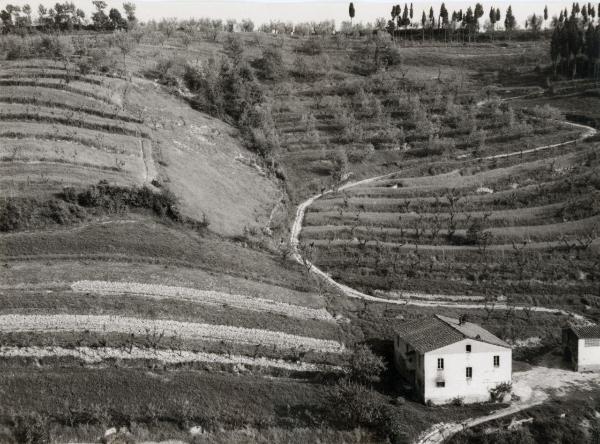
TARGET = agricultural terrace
x,y
149,178
63,129
521,227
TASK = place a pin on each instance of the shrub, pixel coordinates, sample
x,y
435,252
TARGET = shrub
x,y
459,401
547,112
34,428
168,70
270,65
233,46
306,70
311,46
497,393
354,405
116,199
365,366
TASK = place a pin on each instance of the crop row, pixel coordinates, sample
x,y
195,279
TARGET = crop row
x,y
60,97
201,296
31,151
81,121
59,86
115,114
67,78
109,142
443,233
185,330
97,355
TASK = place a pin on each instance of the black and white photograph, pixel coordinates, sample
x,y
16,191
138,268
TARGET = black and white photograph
x,y
299,221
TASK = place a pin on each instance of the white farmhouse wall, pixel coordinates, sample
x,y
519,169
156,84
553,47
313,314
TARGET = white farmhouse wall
x,y
588,356
456,360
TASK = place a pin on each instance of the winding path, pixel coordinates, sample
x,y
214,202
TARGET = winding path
x,y
440,432
352,293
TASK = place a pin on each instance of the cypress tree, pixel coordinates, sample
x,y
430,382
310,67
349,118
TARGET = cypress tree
x,y
444,20
509,21
492,19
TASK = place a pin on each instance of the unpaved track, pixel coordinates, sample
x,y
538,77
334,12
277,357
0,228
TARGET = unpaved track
x,y
352,293
440,432
533,388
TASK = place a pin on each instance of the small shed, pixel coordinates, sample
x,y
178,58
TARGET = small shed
x,y
581,345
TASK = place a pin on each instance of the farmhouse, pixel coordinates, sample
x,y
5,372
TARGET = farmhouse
x,y
582,347
445,358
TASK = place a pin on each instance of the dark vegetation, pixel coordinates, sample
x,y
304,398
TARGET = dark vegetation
x,y
73,206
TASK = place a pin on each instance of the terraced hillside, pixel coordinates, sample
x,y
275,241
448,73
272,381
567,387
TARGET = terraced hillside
x,y
119,306
64,129
521,227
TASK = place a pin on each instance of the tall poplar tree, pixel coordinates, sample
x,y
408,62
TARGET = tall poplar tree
x,y
509,21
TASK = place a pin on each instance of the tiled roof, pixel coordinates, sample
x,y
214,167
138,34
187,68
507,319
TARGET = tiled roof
x,y
435,332
587,331
474,331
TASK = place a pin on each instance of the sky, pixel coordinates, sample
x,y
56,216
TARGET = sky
x,y
299,11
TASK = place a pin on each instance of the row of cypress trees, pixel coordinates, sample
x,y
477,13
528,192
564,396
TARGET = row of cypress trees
x,y
575,44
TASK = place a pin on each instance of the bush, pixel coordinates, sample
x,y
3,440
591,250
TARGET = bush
x,y
498,393
117,199
33,428
547,112
354,405
270,65
459,401
168,70
311,46
365,366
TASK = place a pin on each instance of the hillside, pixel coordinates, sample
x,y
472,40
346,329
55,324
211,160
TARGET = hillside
x,y
147,284
63,129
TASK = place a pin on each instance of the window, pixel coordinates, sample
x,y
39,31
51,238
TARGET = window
x,y
592,342
496,361
440,384
468,348
440,363
469,372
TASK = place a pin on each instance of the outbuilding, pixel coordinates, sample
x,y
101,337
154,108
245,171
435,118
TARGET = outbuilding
x,y
582,347
445,359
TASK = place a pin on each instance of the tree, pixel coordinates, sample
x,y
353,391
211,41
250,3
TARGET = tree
x,y
99,18
423,22
492,20
509,21
351,11
534,23
470,22
271,64
444,19
365,366
545,12
116,19
125,43
27,11
478,13
129,9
